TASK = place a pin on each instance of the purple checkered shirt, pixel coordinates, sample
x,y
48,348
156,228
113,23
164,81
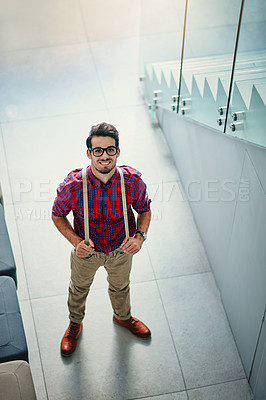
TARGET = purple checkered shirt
x,y
106,218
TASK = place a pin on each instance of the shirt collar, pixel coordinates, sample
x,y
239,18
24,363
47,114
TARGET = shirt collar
x,y
96,182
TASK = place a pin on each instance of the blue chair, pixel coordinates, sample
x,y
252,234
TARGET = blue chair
x,y
13,345
7,261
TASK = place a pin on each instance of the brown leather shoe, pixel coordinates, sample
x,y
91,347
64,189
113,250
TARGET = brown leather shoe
x,y
135,326
70,338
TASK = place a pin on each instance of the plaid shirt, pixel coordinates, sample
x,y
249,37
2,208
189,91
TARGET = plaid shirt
x,y
106,220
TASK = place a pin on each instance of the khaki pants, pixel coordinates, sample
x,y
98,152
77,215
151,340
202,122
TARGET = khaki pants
x,y
118,267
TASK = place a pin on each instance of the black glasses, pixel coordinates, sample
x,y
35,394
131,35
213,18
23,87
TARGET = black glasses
x,y
98,151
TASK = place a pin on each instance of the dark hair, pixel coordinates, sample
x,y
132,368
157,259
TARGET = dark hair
x,y
103,129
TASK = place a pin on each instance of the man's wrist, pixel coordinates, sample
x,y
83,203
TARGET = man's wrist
x,y
76,242
141,234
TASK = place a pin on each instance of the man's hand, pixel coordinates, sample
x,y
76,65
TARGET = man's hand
x,y
83,250
132,245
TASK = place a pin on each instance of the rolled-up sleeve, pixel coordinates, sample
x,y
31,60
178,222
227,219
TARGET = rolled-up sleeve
x,y
63,202
141,202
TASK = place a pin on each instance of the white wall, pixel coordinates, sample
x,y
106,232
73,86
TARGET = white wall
x,y
225,182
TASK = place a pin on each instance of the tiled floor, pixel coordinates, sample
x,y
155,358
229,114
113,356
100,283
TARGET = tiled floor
x,y
63,69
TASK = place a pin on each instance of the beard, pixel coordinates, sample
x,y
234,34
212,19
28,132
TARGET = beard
x,y
106,169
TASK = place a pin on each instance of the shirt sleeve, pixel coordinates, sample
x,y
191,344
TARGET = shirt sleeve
x,y
141,202
64,200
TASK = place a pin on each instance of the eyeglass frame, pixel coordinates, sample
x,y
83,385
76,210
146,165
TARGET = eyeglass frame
x,y
104,149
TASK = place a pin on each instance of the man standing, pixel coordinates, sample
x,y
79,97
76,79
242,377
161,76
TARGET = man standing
x,y
107,244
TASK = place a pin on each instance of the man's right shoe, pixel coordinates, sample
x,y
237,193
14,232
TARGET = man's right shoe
x,y
70,338
135,326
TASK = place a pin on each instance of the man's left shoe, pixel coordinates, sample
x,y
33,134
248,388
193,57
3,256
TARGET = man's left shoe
x,y
135,326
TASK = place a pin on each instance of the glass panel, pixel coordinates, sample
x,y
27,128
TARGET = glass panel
x,y
208,57
161,33
247,116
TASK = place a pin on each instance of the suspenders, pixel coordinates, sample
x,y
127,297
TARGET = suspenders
x,y
85,204
124,201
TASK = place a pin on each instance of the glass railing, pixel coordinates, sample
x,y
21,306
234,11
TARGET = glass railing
x,y
247,112
161,34
208,57
218,76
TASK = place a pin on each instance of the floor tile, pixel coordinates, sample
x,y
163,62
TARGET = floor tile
x,y
143,145
45,253
39,162
159,18
49,81
178,252
116,65
236,390
160,48
22,288
4,173
160,27
34,350
133,123
46,23
142,270
109,363
22,285
12,228
170,396
203,339
168,197
174,244
100,25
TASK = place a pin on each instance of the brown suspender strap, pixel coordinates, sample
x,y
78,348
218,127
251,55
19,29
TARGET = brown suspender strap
x,y
85,206
124,202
